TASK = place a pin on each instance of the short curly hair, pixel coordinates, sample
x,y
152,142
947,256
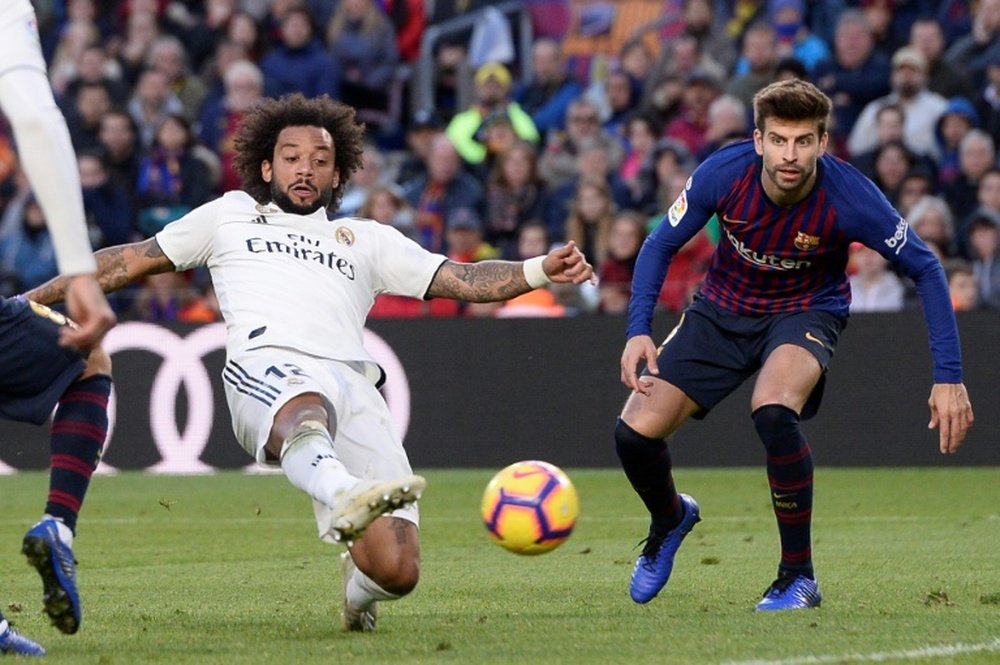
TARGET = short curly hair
x,y
259,129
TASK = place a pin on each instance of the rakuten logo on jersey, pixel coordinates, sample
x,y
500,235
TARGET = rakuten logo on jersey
x,y
898,239
764,260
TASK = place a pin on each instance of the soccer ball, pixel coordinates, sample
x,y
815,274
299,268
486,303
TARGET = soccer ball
x,y
530,507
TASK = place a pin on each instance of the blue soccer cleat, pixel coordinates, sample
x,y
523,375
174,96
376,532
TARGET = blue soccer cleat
x,y
54,561
652,568
14,643
790,592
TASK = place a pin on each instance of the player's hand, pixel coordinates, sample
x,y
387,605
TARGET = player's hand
x,y
951,411
89,310
638,349
568,264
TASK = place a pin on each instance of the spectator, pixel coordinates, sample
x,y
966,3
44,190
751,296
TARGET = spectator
x,y
943,77
409,21
856,75
691,123
885,30
220,118
973,52
976,155
958,119
961,284
298,62
119,139
558,163
371,173
244,30
687,270
492,98
542,302
628,230
921,107
761,57
917,183
514,195
172,179
162,297
94,66
668,158
546,96
26,250
142,29
699,20
75,39
167,55
892,162
590,218
984,246
419,136
987,205
362,43
641,135
794,38
91,103
622,96
465,239
874,288
386,204
106,204
987,100
443,189
205,30
728,121
151,103
931,219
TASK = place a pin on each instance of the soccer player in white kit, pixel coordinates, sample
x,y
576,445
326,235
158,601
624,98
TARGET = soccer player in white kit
x,y
294,286
49,360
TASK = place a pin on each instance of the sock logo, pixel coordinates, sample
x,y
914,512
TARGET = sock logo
x,y
320,458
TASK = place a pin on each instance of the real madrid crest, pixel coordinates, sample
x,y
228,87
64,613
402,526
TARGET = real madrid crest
x,y
344,236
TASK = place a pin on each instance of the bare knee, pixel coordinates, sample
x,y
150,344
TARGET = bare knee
x,y
389,553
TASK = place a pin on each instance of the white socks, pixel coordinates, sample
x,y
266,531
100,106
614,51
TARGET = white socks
x,y
362,591
65,533
310,463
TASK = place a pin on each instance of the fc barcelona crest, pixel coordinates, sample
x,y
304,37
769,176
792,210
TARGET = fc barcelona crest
x,y
806,242
344,236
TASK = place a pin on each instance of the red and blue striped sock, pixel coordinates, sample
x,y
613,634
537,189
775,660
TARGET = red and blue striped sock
x,y
79,428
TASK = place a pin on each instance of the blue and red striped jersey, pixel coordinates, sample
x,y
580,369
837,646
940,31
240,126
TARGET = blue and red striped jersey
x,y
773,258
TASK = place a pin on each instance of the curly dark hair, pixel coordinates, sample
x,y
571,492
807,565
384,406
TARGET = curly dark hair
x,y
259,129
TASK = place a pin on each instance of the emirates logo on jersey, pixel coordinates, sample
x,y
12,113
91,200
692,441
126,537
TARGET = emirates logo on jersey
x,y
806,242
344,236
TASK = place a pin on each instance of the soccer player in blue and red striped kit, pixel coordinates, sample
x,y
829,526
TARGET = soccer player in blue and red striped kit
x,y
774,302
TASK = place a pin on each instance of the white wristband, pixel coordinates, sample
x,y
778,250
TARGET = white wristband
x,y
534,274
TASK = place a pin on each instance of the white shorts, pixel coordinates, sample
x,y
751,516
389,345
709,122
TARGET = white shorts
x,y
259,382
19,43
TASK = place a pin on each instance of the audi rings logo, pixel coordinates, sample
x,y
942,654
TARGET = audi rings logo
x,y
183,365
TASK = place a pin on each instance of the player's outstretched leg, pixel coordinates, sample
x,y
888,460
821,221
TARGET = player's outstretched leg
x,y
352,618
790,592
653,567
360,505
54,561
16,644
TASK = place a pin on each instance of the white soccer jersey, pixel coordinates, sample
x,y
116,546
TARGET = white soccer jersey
x,y
19,46
296,281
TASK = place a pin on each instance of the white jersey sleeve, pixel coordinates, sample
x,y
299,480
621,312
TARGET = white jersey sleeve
x,y
188,241
405,268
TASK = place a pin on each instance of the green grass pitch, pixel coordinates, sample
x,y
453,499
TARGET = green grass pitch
x,y
227,569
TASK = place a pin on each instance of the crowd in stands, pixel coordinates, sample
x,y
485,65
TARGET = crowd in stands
x,y
519,153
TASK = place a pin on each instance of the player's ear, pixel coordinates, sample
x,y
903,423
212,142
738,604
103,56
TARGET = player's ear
x,y
265,171
824,140
336,178
758,142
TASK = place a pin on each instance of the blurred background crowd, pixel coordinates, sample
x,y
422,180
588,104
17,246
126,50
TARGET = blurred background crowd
x,y
499,129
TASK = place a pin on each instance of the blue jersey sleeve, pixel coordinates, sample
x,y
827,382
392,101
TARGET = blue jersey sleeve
x,y
692,209
871,220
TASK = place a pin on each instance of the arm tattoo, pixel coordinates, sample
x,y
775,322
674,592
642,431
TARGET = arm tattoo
x,y
486,281
117,266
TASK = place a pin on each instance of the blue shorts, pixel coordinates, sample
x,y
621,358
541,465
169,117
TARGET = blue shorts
x,y
712,351
36,371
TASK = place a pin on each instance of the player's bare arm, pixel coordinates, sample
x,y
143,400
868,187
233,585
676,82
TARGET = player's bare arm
x,y
89,309
951,412
117,266
490,281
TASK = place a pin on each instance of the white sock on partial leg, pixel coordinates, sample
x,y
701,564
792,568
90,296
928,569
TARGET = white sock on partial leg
x,y
362,591
310,463
65,533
